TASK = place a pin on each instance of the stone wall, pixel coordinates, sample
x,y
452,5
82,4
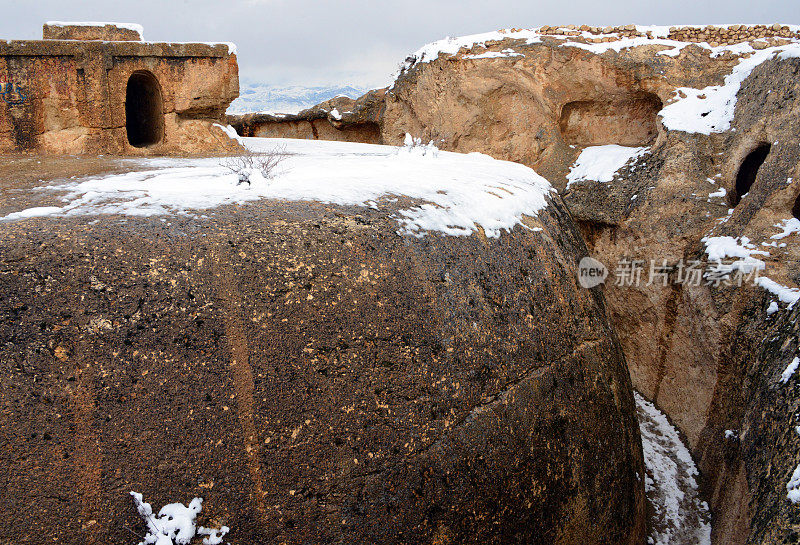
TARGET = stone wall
x,y
713,35
67,96
108,32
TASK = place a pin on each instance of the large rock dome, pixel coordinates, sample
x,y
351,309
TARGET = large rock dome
x,y
317,372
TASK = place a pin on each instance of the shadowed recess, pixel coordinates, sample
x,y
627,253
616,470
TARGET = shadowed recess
x,y
144,111
748,171
627,121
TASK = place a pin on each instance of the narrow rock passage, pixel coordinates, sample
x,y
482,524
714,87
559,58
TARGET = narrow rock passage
x,y
678,515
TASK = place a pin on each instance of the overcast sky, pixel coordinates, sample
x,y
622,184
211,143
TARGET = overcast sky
x,y
360,42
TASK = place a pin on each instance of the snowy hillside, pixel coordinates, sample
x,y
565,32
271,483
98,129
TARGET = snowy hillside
x,y
260,97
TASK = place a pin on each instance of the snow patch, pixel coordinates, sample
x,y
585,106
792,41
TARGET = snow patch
x,y
460,192
710,110
451,46
680,516
790,370
784,294
36,212
719,248
789,226
721,192
504,54
601,163
627,43
175,523
215,535
793,486
230,131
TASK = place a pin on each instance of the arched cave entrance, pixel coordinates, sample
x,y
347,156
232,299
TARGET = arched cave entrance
x,y
796,208
144,110
748,171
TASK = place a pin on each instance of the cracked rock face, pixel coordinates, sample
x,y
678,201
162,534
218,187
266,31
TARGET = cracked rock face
x,y
315,377
696,350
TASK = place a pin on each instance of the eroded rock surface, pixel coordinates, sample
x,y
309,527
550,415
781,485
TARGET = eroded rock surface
x,y
339,119
539,100
315,376
536,99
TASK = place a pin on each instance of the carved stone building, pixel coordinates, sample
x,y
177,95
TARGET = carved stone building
x,y
99,88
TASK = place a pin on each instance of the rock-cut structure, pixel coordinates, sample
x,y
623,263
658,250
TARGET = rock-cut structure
x,y
98,88
706,119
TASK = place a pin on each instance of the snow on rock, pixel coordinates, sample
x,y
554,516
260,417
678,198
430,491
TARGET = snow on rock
x,y
451,46
680,516
175,523
600,163
784,294
460,192
719,248
711,109
33,213
789,227
627,43
790,370
721,192
230,131
415,146
793,486
504,54
215,535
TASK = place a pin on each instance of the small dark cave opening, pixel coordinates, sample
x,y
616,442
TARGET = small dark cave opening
x,y
748,171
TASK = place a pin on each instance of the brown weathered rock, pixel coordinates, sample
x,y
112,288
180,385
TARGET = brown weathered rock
x,y
313,375
535,109
68,96
354,121
689,348
108,32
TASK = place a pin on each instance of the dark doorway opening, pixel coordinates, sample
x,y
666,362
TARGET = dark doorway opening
x,y
144,110
748,171
796,208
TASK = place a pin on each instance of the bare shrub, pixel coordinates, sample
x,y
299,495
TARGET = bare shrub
x,y
247,164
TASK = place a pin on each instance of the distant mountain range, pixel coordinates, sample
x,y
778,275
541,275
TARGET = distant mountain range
x,y
260,97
